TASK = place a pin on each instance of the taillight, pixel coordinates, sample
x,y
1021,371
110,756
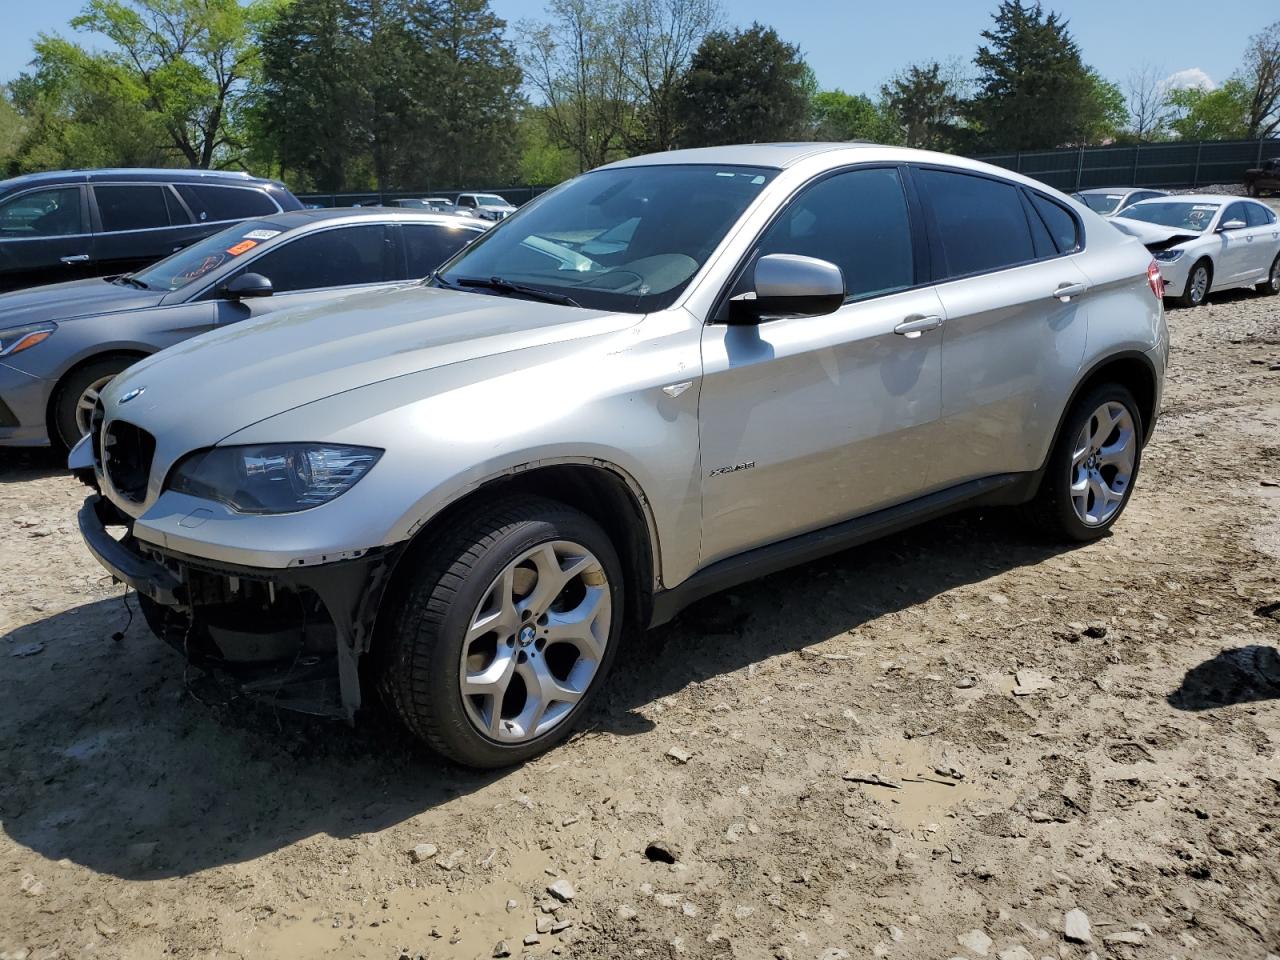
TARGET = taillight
x,y
1155,280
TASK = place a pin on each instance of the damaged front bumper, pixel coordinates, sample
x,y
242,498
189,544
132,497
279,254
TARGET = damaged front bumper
x,y
294,635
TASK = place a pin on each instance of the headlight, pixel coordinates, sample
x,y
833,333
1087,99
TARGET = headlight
x,y
273,477
16,339
1168,256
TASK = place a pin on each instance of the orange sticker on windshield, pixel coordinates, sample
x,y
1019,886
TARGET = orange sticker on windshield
x,y
244,246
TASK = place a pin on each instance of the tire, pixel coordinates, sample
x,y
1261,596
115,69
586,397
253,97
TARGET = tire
x,y
1055,510
1188,297
65,431
1271,286
455,581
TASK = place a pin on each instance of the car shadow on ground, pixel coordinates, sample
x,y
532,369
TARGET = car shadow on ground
x,y
19,465
116,765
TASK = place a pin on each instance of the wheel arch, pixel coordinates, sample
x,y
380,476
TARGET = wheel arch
x,y
603,491
133,353
1131,369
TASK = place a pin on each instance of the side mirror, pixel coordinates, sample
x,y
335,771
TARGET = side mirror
x,y
1233,225
247,286
787,285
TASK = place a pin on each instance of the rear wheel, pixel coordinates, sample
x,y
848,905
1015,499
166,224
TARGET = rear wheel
x,y
503,631
78,392
1093,466
1271,286
1199,278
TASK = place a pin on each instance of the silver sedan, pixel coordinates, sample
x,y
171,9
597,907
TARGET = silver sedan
x,y
1206,242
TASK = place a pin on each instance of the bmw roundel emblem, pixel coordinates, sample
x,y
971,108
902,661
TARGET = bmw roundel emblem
x,y
131,395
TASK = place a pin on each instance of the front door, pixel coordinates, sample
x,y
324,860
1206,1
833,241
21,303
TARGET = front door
x,y
805,422
44,237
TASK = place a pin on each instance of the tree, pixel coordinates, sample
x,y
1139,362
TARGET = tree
x,y
1261,74
748,86
924,101
1103,109
575,63
11,134
1146,102
1221,114
190,59
837,116
659,39
1033,89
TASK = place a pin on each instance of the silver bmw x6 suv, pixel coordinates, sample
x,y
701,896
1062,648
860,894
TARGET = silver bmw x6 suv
x,y
663,378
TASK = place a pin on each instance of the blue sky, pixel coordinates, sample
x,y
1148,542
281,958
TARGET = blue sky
x,y
856,44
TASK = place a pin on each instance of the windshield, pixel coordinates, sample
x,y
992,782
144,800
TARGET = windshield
x,y
627,239
1102,203
191,263
1192,217
488,200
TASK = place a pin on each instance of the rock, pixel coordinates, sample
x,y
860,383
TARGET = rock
x,y
679,754
601,850
1095,631
513,905
543,924
626,912
874,779
500,949
1029,682
531,938
1124,936
742,912
689,909
896,934
966,683
562,890
975,941
834,953
1075,927
1016,952
31,886
422,852
668,901
560,926
451,862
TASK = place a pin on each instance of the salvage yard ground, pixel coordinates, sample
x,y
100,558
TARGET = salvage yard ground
x,y
939,745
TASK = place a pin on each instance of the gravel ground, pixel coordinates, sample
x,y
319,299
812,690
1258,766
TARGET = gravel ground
x,y
959,742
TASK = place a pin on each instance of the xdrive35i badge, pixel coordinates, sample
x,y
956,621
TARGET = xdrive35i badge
x,y
721,471
131,395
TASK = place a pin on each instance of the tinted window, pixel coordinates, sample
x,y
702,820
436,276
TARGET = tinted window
x,y
1259,216
132,207
427,246
330,258
858,221
1234,212
1061,225
980,222
43,213
225,203
466,201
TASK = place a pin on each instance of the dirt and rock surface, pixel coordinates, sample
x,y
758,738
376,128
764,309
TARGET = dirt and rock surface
x,y
960,742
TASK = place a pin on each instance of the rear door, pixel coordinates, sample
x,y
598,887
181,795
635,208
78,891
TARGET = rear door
x,y
318,266
1015,303
808,421
137,224
1264,230
44,237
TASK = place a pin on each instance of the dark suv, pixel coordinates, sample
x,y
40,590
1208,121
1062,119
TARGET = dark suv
x,y
70,224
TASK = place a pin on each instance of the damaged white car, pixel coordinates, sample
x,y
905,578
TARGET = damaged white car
x,y
1206,242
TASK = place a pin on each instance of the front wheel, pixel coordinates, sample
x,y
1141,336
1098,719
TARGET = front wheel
x,y
503,631
1093,466
1271,286
1198,281
78,393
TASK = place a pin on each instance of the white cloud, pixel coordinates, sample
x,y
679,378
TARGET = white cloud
x,y
1190,78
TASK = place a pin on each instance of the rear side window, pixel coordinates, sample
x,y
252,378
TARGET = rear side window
x,y
331,258
133,207
1061,224
426,246
43,213
1259,216
209,203
981,223
857,220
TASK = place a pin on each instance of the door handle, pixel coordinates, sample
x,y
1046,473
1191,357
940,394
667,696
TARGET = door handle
x,y
913,326
1066,291
78,258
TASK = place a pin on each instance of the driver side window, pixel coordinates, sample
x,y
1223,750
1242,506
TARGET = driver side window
x,y
338,257
857,220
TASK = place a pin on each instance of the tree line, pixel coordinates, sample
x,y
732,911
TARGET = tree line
x,y
391,94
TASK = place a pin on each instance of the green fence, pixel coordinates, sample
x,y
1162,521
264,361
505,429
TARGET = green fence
x,y
1170,165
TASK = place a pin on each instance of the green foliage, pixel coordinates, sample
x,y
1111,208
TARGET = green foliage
x,y
924,103
1104,109
748,86
1034,91
542,162
836,116
1221,114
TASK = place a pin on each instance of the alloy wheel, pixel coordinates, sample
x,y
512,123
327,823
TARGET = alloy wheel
x,y
1273,281
88,400
1199,284
535,642
1102,463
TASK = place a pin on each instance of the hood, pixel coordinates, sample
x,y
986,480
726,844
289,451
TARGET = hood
x,y
1153,235
204,389
78,298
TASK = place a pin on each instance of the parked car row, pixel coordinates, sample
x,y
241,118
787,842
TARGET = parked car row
x,y
665,377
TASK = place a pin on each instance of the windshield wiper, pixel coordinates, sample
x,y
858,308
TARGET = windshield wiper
x,y
506,286
131,280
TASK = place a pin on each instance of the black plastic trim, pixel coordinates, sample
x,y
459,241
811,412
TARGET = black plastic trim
x,y
149,578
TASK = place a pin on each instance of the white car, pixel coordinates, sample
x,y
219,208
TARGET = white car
x,y
486,206
1207,241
